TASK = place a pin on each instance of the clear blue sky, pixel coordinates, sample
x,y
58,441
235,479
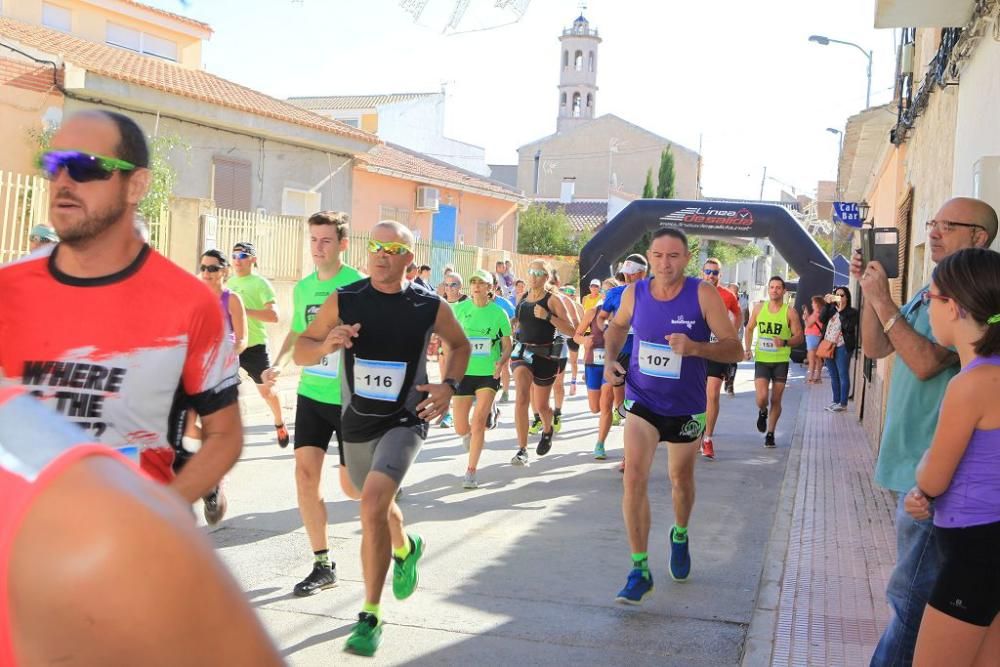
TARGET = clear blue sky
x,y
738,75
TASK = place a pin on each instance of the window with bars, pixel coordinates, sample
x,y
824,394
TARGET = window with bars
x,y
400,215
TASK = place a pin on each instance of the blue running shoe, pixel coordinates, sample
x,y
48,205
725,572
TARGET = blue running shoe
x,y
636,588
680,559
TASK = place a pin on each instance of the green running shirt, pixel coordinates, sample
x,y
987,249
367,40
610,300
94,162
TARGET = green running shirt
x,y
255,292
484,327
320,382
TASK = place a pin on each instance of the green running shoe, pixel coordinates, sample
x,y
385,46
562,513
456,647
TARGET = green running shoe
x,y
599,453
557,423
366,635
404,572
536,426
616,418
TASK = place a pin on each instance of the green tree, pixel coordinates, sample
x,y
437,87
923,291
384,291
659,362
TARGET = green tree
x,y
665,184
542,231
665,189
648,191
163,176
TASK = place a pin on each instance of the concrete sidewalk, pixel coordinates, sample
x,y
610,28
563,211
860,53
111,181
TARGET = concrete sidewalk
x,y
525,569
822,599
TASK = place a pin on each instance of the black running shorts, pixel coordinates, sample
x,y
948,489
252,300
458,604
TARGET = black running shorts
x,y
968,586
255,360
683,429
717,370
774,372
316,423
470,384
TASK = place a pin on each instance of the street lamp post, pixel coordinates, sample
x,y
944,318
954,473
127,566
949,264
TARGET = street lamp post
x,y
840,154
825,41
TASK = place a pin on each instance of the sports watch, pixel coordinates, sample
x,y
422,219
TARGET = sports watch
x,y
451,383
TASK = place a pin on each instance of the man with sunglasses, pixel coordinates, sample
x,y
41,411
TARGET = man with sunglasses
x,y
717,372
919,376
453,295
69,328
383,324
318,403
41,235
261,306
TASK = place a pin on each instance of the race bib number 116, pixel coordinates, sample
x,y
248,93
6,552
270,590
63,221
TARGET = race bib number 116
x,y
379,380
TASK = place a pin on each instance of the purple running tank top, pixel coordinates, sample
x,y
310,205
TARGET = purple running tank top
x,y
973,497
668,385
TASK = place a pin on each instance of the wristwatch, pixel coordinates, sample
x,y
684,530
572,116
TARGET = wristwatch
x,y
451,383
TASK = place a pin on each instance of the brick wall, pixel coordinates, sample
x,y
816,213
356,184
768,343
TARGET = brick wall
x,y
28,75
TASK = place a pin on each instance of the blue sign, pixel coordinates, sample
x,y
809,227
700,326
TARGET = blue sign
x,y
847,213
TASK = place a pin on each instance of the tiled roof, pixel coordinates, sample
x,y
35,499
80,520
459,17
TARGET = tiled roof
x,y
169,77
163,12
354,101
397,160
584,215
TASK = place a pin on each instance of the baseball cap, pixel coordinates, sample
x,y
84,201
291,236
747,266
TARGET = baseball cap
x,y
569,289
483,275
595,283
246,247
45,232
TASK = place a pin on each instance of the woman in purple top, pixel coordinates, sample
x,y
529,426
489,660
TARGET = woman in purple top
x,y
213,271
961,469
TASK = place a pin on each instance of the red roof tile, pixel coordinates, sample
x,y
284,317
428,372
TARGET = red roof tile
x,y
397,159
169,77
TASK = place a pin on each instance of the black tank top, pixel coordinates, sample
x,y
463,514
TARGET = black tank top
x,y
387,360
532,330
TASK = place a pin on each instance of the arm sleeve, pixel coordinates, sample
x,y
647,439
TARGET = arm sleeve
x,y
209,376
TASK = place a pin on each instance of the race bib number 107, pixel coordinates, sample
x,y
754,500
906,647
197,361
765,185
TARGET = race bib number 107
x,y
379,380
658,360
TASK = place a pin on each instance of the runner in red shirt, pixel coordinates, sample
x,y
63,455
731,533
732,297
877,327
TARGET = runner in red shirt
x,y
107,331
717,372
80,533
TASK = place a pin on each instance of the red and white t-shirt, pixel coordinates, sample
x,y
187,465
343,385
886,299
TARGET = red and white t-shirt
x,y
121,356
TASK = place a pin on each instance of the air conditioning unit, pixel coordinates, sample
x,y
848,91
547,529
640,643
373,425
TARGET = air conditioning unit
x,y
428,198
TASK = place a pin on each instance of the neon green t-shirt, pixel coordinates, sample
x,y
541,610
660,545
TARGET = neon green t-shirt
x,y
320,382
255,292
769,327
484,327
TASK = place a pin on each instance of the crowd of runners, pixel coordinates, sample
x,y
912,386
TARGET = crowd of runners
x,y
159,389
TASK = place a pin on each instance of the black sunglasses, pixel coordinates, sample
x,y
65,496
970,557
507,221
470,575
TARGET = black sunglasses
x,y
81,167
211,268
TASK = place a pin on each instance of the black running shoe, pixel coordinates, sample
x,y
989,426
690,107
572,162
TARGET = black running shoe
x,y
769,441
545,444
322,577
762,420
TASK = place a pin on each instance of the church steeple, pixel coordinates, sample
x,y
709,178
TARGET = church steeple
x,y
578,74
